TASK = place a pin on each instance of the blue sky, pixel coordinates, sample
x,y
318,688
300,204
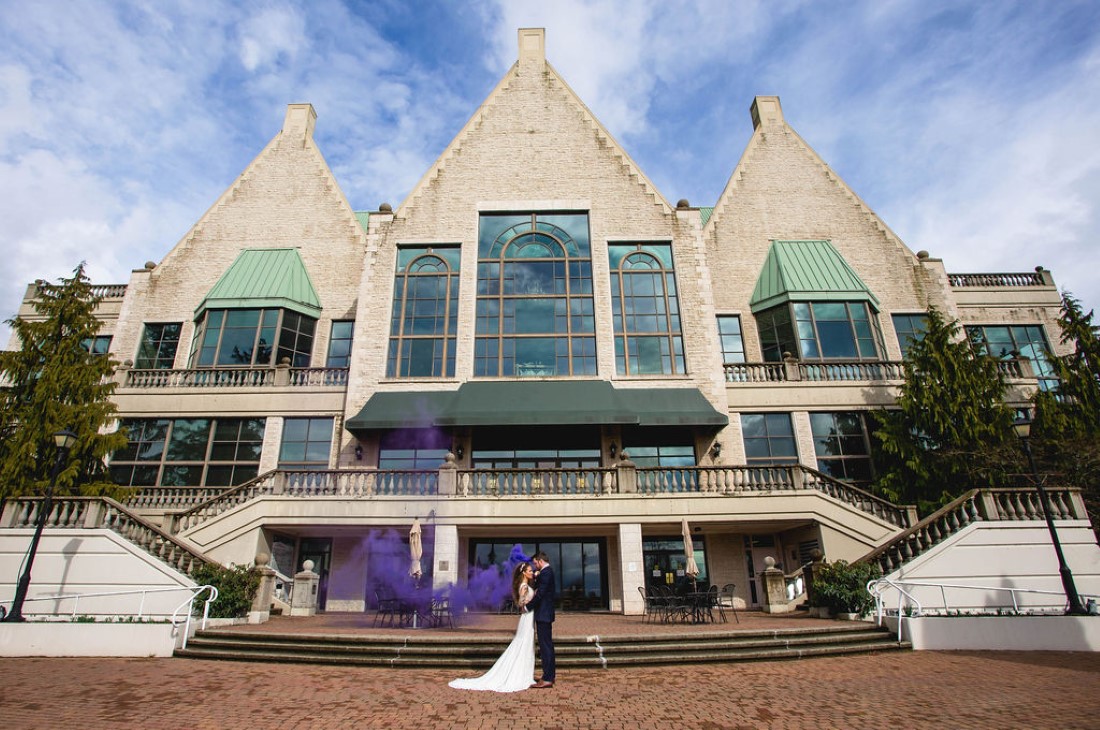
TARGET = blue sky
x,y
971,128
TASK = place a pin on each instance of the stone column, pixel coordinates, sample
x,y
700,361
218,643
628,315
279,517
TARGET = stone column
x,y
261,604
303,602
633,567
775,588
445,572
448,476
627,474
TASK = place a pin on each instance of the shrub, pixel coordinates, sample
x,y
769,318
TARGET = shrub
x,y
237,586
842,587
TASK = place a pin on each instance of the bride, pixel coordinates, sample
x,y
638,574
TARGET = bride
x,y
515,669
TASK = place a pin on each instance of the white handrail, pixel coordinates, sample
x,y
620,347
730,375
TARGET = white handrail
x,y
907,600
195,591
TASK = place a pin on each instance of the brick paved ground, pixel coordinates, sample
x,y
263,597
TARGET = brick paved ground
x,y
941,690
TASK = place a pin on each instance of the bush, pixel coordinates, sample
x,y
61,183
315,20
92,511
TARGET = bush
x,y
842,587
237,586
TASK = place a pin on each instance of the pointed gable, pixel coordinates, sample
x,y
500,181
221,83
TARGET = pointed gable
x,y
264,278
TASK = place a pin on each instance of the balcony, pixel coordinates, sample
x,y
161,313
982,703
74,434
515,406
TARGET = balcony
x,y
277,377
885,371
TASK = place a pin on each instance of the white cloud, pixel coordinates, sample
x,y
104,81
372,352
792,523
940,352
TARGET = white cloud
x,y
273,35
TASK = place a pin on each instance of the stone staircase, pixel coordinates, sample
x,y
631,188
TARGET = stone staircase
x,y
455,651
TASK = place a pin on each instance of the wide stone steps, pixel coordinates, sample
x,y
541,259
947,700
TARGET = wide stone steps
x,y
460,652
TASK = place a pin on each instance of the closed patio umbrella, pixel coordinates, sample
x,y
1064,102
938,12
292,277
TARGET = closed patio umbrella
x,y
691,568
416,549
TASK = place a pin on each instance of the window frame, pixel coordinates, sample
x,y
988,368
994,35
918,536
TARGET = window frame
x,y
167,442
625,309
840,439
768,438
281,330
158,360
404,349
792,339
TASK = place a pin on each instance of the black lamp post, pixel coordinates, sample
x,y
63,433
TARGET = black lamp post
x,y
1023,430
64,441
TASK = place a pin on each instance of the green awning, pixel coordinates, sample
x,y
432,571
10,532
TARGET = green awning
x,y
807,271
537,403
272,277
417,409
671,407
543,403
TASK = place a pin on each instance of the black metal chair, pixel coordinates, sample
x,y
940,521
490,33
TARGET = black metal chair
x,y
388,605
651,605
725,600
441,612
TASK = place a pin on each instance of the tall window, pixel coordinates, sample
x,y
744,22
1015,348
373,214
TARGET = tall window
x,y
535,313
189,452
841,446
247,337
733,344
645,309
157,350
98,345
339,344
820,331
425,312
769,439
1004,342
910,329
306,443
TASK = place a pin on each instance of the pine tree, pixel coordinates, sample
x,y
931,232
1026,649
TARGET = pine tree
x,y
1066,433
950,429
53,382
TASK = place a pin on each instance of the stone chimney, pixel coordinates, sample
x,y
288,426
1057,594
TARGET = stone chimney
x,y
298,125
766,112
532,44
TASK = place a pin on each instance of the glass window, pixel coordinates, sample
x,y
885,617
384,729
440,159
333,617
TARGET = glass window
x,y
820,331
413,449
535,314
910,329
1005,342
424,322
247,337
733,344
665,563
157,350
189,452
841,446
769,438
339,344
645,309
306,443
98,345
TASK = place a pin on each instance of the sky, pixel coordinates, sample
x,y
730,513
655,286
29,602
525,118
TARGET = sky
x,y
972,128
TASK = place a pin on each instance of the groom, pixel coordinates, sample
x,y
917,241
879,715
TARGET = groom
x,y
544,618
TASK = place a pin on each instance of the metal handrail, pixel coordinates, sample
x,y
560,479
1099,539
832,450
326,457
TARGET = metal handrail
x,y
174,619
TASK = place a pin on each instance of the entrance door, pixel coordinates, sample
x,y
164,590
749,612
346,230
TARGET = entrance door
x,y
757,548
319,550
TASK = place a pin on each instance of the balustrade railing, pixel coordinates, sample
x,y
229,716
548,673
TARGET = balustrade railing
x,y
171,498
754,372
237,378
103,512
998,281
840,371
533,482
973,506
851,371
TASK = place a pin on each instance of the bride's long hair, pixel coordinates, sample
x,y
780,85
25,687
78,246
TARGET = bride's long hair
x,y
517,580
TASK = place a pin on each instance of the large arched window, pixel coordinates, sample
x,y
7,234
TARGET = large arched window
x,y
645,309
425,313
535,314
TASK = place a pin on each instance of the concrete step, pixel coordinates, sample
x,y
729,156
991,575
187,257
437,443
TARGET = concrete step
x,y
459,652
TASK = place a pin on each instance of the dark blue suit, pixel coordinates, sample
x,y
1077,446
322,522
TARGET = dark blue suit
x,y
545,591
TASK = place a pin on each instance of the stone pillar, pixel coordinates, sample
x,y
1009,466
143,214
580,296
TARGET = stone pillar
x,y
633,567
261,604
303,602
627,474
448,476
282,373
775,588
790,367
810,572
445,572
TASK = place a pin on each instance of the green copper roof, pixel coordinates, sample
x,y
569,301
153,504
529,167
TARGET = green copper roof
x,y
705,214
807,271
363,216
272,277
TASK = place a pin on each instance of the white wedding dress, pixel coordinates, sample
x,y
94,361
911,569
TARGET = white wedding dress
x,y
515,669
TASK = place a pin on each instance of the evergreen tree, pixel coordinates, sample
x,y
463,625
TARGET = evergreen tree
x,y
54,382
950,430
1066,433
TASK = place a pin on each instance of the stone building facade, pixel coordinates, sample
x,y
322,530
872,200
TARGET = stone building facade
x,y
535,347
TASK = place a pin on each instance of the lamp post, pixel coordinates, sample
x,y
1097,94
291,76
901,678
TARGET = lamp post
x,y
1022,427
64,441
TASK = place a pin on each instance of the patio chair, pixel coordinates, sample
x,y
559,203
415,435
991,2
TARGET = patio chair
x,y
388,605
441,612
651,605
712,603
673,606
725,600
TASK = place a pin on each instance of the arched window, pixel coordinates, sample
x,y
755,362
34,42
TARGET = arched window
x,y
535,313
645,309
424,323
